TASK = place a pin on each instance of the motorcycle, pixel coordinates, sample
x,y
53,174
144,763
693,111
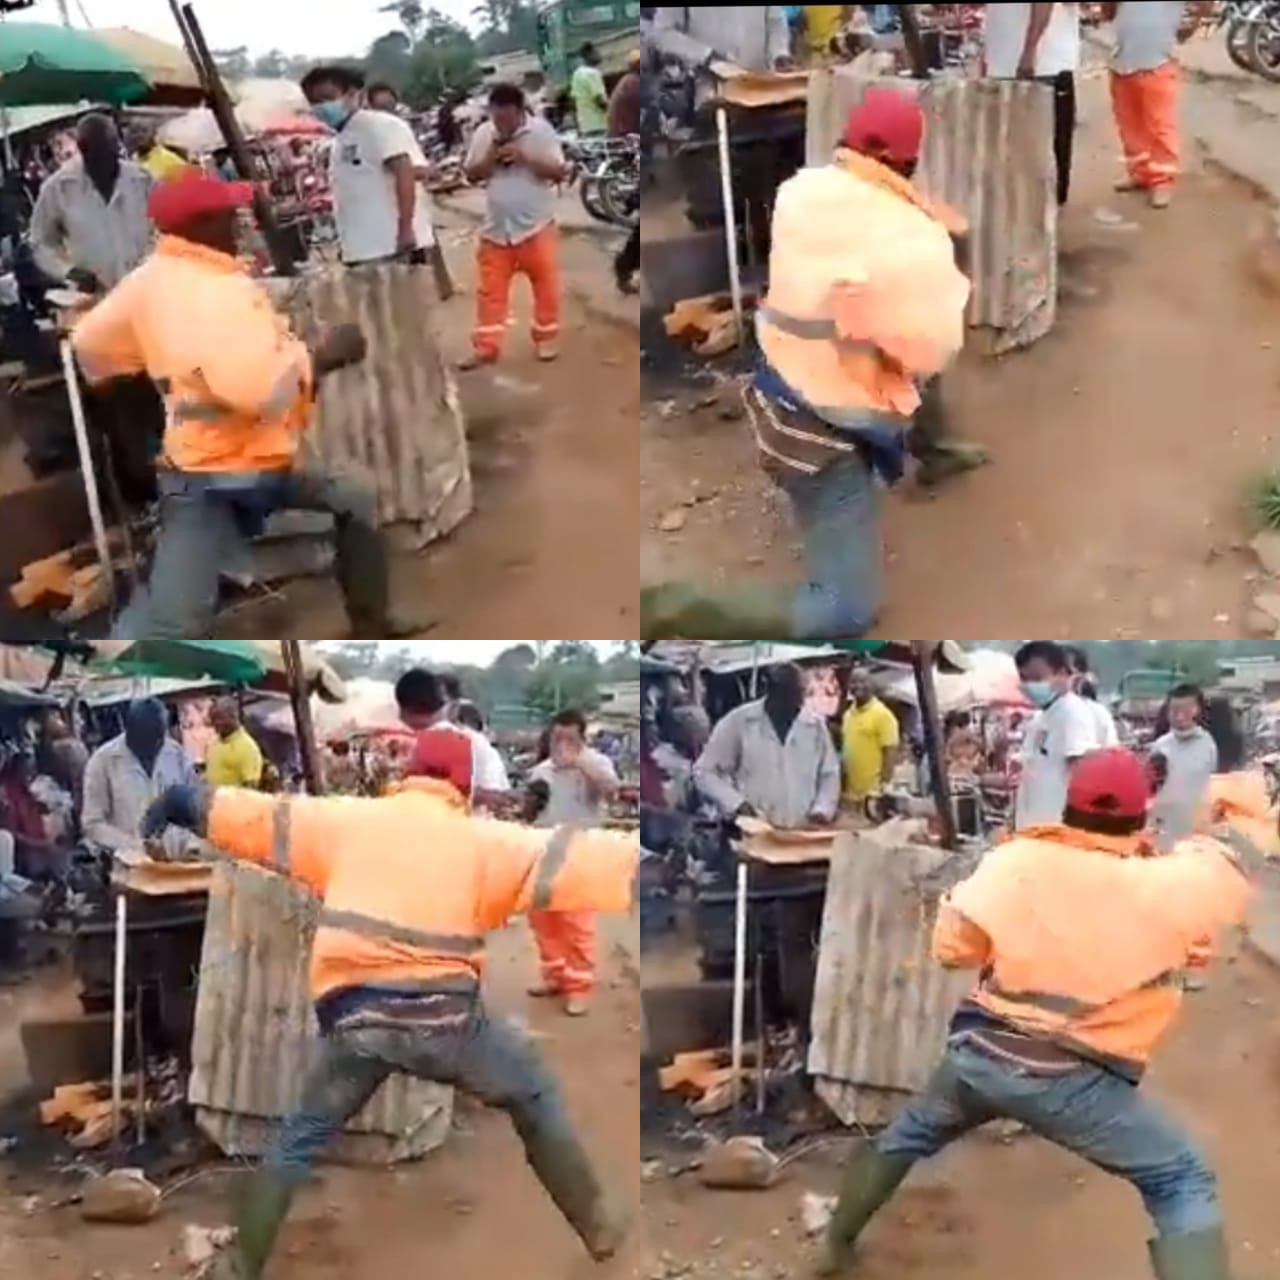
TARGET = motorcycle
x,y
1253,36
607,171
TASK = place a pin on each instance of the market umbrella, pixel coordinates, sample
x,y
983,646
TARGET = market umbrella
x,y
227,661
41,63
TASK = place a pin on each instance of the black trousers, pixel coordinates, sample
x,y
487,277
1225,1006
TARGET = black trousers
x,y
627,263
1064,128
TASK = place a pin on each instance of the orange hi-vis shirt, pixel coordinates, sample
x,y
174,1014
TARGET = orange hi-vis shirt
x,y
1081,940
865,299
410,884
236,381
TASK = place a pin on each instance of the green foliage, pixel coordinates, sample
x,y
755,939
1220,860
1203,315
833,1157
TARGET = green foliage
x,y
1262,501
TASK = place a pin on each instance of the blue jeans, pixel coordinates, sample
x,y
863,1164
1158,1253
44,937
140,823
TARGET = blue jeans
x,y
1089,1111
204,519
838,513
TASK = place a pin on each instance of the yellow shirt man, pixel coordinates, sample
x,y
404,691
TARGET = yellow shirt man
x,y
234,761
869,735
161,163
822,23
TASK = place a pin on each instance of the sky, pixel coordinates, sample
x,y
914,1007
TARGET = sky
x,y
311,28
473,653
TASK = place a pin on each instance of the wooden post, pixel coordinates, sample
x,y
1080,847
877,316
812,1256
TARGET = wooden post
x,y
922,652
911,38
224,112
296,675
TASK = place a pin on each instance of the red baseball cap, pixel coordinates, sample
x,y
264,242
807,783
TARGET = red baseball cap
x,y
192,193
444,753
1112,783
888,123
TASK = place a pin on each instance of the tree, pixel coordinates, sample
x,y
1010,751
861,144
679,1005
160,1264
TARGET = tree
x,y
444,58
411,15
234,64
391,60
271,66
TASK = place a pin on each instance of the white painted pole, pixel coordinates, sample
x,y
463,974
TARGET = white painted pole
x,y
730,220
88,474
117,1022
739,977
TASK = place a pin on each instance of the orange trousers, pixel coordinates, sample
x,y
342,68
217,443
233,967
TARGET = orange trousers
x,y
567,949
1145,104
497,265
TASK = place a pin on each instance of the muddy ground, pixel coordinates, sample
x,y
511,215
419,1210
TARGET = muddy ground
x,y
554,457
471,1210
1121,443
988,1205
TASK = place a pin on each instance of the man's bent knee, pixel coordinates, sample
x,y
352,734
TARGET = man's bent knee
x,y
1182,1195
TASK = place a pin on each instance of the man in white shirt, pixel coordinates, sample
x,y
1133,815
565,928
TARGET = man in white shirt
x,y
1040,42
1084,683
1062,731
376,168
1190,760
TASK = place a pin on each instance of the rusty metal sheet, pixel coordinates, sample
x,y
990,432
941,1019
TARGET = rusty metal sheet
x,y
395,418
881,1004
988,151
255,1032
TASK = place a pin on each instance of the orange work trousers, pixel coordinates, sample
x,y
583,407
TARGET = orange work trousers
x,y
1145,104
567,949
497,265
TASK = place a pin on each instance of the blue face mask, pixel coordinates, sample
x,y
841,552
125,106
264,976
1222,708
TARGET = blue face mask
x,y
335,113
1040,692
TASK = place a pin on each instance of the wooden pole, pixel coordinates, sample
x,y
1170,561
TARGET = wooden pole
x,y
295,674
922,663
914,44
224,113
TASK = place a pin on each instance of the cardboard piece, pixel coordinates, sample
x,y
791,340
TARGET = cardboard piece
x,y
137,872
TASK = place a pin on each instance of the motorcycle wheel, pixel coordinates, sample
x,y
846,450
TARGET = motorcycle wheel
x,y
1238,32
1263,48
589,194
621,201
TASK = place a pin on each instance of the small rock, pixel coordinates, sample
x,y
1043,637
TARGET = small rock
x,y
124,1196
673,521
651,1171
200,1244
1266,546
741,1164
815,1212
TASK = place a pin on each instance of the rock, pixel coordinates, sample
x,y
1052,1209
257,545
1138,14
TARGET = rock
x,y
1266,546
1268,603
123,1196
652,1171
201,1244
673,521
815,1212
741,1164
1262,625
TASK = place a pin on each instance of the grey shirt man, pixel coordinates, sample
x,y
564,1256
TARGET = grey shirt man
x,y
519,203
1192,761
73,226
1146,34
577,795
785,782
118,791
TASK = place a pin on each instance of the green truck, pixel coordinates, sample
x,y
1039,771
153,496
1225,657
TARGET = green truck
x,y
564,27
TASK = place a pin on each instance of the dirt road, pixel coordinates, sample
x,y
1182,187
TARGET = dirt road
x,y
470,1210
554,457
1121,443
987,1206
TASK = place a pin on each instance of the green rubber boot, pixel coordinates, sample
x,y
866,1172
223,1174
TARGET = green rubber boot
x,y
683,611
869,1182
1199,1255
564,1169
258,1221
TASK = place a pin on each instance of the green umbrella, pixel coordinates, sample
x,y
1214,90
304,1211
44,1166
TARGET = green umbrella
x,y
41,63
227,661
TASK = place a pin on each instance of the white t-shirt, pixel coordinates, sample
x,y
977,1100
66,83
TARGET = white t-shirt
x,y
364,189
1006,33
1064,731
1104,723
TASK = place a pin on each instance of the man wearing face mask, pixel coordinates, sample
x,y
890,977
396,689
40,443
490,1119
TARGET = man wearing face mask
x,y
376,166
773,758
239,386
125,775
1062,731
1191,759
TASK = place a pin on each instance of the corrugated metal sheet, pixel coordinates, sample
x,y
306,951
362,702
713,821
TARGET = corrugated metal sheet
x,y
881,1004
255,1032
397,416
988,151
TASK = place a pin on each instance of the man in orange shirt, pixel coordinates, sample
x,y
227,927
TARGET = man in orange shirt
x,y
238,386
1078,940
